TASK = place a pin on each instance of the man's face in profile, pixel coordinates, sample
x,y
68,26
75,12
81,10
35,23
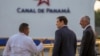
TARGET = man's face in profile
x,y
59,23
26,30
83,22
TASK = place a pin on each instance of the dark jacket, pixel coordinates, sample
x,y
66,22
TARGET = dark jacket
x,y
88,43
65,42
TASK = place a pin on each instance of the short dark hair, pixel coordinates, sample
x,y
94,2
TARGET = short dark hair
x,y
23,26
63,18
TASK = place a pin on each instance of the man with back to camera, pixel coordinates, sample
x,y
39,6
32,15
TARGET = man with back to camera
x,y
88,39
65,39
21,44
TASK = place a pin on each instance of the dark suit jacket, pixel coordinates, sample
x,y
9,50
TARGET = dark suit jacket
x,y
65,42
88,43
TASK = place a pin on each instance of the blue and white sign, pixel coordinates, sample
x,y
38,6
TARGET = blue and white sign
x,y
41,16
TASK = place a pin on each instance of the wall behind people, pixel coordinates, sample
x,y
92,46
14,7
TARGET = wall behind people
x,y
41,16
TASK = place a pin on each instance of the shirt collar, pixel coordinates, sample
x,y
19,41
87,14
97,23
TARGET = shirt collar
x,y
86,27
21,33
65,26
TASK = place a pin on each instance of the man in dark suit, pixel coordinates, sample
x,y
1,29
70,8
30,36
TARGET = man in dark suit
x,y
65,39
88,40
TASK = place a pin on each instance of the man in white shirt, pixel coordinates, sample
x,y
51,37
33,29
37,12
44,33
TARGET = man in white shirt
x,y
20,44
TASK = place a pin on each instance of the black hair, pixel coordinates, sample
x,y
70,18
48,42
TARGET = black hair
x,y
23,26
63,18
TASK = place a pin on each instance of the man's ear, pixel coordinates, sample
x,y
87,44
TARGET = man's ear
x,y
24,30
62,22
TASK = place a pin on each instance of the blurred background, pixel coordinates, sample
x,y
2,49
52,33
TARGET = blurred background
x,y
97,17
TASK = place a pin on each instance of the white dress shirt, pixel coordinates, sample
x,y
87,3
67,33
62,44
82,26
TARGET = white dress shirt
x,y
21,45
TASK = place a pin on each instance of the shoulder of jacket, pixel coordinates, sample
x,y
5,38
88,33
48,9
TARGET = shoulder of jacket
x,y
59,30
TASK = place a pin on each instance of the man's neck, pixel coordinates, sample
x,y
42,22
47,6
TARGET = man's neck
x,y
62,26
86,27
23,33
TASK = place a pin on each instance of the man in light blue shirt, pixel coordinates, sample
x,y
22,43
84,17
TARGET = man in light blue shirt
x,y
21,44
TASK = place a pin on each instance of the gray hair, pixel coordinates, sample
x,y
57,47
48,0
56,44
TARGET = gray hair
x,y
87,18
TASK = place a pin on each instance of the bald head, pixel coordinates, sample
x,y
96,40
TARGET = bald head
x,y
85,21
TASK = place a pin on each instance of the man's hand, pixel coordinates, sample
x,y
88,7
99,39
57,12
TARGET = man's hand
x,y
42,40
